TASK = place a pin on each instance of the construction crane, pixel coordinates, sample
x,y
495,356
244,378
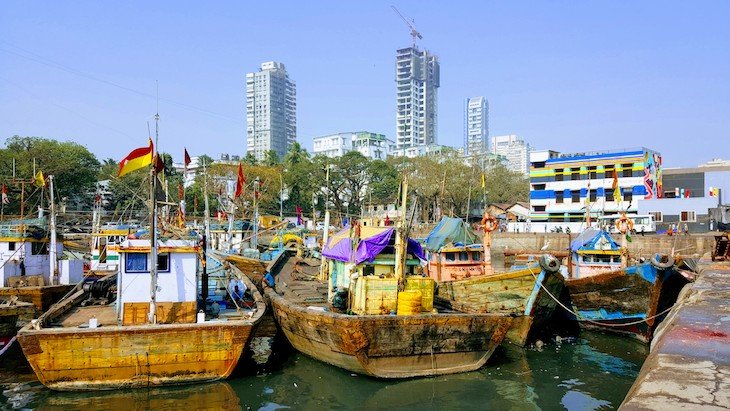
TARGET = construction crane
x,y
414,33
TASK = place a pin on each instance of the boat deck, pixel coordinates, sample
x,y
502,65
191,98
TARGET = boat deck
x,y
298,282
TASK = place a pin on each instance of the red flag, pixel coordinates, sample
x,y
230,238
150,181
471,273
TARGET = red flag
x,y
187,158
240,182
6,200
159,165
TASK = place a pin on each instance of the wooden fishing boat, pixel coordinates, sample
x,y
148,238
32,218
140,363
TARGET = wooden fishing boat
x,y
468,282
607,294
101,338
383,346
13,315
372,313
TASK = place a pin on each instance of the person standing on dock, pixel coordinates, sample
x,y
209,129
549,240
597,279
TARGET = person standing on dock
x,y
686,229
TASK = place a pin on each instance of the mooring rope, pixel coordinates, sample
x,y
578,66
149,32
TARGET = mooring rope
x,y
577,315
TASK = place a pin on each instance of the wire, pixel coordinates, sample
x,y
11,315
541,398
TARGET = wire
x,y
50,63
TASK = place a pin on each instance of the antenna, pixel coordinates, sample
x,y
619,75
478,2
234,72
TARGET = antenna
x,y
414,33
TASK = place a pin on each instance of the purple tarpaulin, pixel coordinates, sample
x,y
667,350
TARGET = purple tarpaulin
x,y
377,238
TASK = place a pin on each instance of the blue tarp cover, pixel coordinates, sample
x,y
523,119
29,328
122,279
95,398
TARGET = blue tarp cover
x,y
589,237
450,230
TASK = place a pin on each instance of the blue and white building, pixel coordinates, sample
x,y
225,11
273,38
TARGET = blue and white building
x,y
564,187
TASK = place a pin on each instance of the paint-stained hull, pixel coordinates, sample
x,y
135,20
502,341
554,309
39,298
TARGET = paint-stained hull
x,y
77,359
386,346
624,301
521,293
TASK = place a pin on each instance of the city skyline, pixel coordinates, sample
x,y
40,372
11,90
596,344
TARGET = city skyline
x,y
571,78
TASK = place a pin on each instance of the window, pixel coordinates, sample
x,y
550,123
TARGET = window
x,y
628,194
539,164
163,262
658,216
558,174
538,208
575,175
627,170
11,246
592,173
609,194
450,256
558,197
476,256
136,262
687,217
575,196
538,186
592,196
464,256
38,248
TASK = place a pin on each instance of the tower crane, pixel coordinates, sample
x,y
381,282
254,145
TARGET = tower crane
x,y
414,33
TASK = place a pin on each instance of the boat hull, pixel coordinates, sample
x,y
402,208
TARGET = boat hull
x,y
392,346
521,293
77,359
626,300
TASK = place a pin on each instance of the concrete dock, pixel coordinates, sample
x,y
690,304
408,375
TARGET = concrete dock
x,y
689,363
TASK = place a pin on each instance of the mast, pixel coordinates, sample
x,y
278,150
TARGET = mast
x,y
52,252
400,241
254,239
153,232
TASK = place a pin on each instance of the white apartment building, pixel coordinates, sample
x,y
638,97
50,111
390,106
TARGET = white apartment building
x,y
271,110
516,150
477,126
417,81
372,145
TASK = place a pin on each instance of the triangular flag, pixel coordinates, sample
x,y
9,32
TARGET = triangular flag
x,y
40,181
187,157
240,182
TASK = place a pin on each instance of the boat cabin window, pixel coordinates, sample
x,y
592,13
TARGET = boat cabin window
x,y
38,248
476,255
163,262
464,256
11,246
368,270
450,256
135,262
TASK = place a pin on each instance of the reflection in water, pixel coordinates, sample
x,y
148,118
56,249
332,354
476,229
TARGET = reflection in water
x,y
593,372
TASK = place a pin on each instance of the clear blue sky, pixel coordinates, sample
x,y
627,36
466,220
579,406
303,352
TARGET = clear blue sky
x,y
566,75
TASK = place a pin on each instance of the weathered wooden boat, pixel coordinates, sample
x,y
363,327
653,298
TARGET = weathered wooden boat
x,y
607,294
468,282
13,315
117,333
383,346
373,314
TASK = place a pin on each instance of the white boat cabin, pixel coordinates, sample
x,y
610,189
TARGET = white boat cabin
x,y
177,285
25,261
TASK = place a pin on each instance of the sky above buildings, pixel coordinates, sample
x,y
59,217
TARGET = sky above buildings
x,y
565,75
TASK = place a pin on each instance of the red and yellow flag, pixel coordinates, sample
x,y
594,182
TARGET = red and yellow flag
x,y
138,158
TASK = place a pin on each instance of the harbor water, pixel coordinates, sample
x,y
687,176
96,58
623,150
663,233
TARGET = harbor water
x,y
593,371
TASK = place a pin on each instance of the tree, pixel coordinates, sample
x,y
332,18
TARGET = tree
x,y
74,168
271,158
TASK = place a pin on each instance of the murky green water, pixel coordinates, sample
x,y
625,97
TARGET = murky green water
x,y
594,371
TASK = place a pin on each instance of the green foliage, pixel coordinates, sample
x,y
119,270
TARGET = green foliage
x,y
74,168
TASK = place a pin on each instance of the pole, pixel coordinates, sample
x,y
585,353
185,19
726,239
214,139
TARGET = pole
x,y
52,252
255,240
400,242
281,198
153,235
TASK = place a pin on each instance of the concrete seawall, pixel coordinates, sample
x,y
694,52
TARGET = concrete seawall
x,y
689,363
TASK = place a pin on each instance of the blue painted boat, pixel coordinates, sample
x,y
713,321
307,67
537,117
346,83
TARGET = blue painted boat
x,y
629,300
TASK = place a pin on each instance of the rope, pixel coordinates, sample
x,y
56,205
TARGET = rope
x,y
8,345
577,315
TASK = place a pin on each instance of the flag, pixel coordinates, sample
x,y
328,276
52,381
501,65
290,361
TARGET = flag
x,y
687,193
240,182
676,192
615,187
716,192
40,181
484,181
187,158
711,192
159,164
6,200
180,191
138,158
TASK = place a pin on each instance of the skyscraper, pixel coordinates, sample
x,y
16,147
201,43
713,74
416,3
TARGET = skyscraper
x,y
516,150
417,82
477,126
271,110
